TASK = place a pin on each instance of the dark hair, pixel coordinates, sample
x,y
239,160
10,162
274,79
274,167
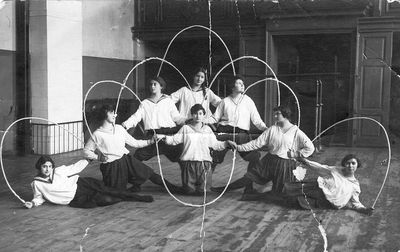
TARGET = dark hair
x,y
196,108
203,86
42,160
102,113
160,80
231,84
348,157
285,111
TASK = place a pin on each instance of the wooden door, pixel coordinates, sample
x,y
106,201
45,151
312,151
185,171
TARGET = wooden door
x,y
372,87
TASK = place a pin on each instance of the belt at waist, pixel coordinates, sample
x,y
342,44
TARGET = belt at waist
x,y
229,129
164,131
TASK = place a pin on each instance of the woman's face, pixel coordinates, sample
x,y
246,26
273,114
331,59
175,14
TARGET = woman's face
x,y
198,116
46,169
350,166
199,78
111,117
238,86
155,87
278,117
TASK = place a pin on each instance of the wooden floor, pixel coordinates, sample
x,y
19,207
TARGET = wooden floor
x,y
231,225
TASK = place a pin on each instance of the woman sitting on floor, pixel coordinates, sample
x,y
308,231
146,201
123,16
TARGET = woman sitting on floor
x,y
336,187
63,186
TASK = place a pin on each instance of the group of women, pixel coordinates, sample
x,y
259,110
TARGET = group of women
x,y
184,135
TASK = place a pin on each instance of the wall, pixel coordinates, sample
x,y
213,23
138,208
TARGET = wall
x,y
394,123
107,46
254,45
7,70
7,25
107,28
55,46
96,69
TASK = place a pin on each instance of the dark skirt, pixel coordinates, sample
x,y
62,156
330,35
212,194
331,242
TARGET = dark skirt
x,y
88,192
241,137
272,168
315,196
127,169
172,152
193,174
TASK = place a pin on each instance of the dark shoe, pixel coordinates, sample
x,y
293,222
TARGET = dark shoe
x,y
134,188
251,197
306,204
136,197
217,189
250,190
146,198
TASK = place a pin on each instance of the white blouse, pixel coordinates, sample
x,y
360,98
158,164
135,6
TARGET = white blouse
x,y
156,115
340,190
187,98
61,187
111,143
292,139
238,114
196,144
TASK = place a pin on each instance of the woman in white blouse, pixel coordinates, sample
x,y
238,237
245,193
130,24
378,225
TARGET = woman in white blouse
x,y
158,113
197,94
284,141
118,166
195,161
336,186
62,185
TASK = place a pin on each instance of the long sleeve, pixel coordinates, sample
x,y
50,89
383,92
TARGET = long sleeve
x,y
37,195
215,100
219,112
88,150
305,146
134,119
355,201
255,144
176,117
322,170
129,140
213,142
175,139
256,118
176,96
74,168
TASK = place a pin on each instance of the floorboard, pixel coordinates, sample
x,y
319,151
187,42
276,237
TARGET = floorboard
x,y
230,224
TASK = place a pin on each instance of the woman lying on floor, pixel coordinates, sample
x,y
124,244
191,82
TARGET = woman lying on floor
x,y
336,187
63,186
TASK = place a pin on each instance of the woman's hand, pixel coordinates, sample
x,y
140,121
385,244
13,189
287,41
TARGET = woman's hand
x,y
367,211
124,125
28,204
231,145
160,137
101,157
294,154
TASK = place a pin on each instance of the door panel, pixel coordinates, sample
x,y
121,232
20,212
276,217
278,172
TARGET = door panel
x,y
372,87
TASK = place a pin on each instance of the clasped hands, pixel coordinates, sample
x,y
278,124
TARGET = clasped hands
x,y
231,145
